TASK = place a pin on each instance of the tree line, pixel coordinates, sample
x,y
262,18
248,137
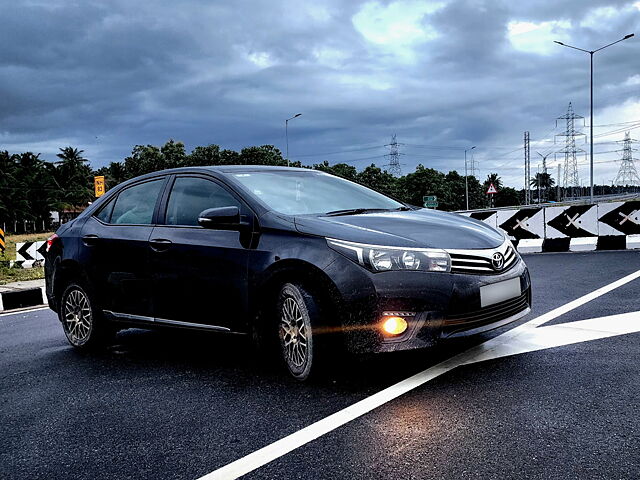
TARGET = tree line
x,y
31,187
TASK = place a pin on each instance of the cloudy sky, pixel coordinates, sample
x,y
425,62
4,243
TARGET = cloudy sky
x,y
442,75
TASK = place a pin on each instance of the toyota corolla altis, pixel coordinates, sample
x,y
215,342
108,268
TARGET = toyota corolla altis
x,y
310,260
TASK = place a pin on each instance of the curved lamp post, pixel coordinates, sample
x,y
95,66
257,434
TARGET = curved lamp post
x,y
591,52
286,133
466,182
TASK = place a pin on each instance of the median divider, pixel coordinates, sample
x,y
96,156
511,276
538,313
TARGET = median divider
x,y
562,228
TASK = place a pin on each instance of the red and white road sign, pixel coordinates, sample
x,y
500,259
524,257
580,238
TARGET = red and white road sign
x,y
492,189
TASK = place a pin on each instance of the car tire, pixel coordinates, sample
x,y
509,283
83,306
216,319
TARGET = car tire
x,y
83,324
297,314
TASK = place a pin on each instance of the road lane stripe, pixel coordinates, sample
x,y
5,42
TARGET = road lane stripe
x,y
563,334
297,439
27,310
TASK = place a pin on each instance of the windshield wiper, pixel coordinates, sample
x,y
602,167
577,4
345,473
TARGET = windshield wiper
x,y
357,211
353,211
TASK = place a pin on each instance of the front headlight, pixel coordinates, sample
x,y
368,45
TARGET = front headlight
x,y
378,258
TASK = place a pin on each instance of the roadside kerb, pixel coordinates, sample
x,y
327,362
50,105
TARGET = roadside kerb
x,y
25,294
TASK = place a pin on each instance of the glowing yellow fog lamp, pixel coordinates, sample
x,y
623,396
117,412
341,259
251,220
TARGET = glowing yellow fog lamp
x,y
394,325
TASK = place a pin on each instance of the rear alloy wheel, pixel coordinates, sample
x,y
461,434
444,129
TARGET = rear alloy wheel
x,y
79,319
295,311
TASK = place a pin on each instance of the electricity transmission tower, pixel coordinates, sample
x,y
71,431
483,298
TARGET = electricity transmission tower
x,y
473,169
394,157
571,178
527,169
627,175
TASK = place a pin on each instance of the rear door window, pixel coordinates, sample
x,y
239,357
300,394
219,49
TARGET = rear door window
x,y
135,205
104,214
191,195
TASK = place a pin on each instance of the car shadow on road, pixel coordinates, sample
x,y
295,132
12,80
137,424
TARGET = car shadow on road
x,y
233,358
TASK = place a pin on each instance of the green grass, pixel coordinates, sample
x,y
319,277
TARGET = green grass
x,y
8,275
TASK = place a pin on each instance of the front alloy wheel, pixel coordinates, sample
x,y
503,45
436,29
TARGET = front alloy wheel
x,y
295,307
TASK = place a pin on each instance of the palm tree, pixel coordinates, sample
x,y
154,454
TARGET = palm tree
x,y
543,182
71,155
495,179
74,178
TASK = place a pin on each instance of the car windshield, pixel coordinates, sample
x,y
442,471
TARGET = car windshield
x,y
298,193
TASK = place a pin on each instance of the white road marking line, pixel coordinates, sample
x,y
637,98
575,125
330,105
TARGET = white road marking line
x,y
281,447
19,312
531,340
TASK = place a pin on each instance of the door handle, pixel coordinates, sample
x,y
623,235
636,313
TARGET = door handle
x,y
90,240
160,244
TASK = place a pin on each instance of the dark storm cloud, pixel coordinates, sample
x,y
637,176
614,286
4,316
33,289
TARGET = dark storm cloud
x,y
104,76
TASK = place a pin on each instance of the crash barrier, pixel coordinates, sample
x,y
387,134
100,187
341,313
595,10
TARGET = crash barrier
x,y
29,254
561,228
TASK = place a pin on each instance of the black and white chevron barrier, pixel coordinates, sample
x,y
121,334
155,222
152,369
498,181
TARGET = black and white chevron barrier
x,y
29,254
601,226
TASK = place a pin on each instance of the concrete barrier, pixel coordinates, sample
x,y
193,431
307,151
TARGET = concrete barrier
x,y
556,228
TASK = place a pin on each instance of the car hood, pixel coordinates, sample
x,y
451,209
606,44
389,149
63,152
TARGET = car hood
x,y
414,228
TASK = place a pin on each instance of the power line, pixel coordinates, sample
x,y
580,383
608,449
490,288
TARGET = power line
x,y
339,152
360,159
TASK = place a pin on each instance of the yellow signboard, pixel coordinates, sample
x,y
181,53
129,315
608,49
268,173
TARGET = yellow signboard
x,y
2,245
98,184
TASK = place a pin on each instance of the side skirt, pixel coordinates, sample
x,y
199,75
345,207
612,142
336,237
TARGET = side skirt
x,y
143,321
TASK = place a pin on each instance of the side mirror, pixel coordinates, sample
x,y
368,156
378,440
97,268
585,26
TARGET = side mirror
x,y
221,218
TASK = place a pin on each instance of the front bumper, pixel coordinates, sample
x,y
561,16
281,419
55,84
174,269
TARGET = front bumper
x,y
445,305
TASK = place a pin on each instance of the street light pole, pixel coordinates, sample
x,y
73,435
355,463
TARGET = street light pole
x,y
590,133
466,178
591,52
286,133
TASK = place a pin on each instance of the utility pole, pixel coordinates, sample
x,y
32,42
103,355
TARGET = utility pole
x,y
571,178
558,186
527,169
394,157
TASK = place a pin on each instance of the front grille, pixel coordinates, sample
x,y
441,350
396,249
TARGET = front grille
x,y
469,263
487,315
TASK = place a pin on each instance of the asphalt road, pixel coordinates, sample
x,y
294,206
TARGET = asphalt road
x,y
180,405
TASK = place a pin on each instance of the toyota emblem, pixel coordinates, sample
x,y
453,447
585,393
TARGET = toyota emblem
x,y
497,261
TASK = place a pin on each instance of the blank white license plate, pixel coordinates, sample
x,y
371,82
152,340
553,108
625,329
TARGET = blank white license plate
x,y
499,292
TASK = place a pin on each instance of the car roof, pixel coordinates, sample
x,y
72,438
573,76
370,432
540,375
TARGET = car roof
x,y
219,169
255,168
225,169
